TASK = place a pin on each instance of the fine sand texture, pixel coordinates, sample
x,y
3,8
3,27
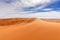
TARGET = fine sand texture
x,y
29,29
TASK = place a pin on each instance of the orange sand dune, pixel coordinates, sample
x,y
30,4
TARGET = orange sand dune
x,y
29,29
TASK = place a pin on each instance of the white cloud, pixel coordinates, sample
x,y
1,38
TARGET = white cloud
x,y
43,15
49,15
15,10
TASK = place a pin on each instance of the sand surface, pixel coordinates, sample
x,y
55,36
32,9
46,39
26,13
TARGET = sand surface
x,y
29,29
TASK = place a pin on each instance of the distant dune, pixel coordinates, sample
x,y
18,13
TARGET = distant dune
x,y
52,20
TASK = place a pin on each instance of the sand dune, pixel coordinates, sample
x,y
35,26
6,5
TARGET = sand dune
x,y
33,29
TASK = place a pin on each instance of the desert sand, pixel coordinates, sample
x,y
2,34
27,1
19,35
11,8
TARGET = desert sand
x,y
29,29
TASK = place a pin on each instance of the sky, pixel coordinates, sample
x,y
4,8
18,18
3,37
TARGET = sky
x,y
45,9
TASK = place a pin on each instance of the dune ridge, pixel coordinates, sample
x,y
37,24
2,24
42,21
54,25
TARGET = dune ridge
x,y
13,21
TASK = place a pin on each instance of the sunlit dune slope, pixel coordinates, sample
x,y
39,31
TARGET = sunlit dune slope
x,y
33,29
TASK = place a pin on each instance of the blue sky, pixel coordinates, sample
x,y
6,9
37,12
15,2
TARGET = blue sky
x,y
54,6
